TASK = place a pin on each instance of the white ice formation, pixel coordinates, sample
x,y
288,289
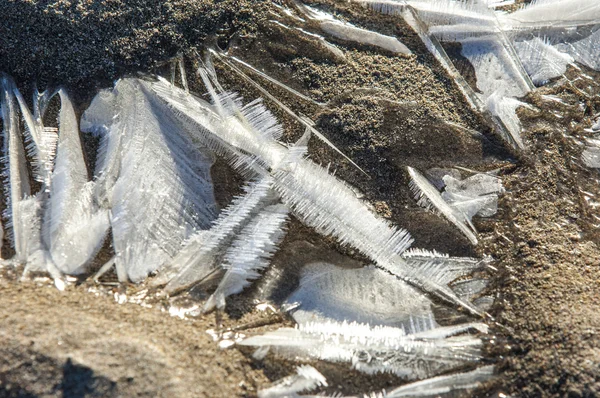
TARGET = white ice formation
x,y
374,349
141,146
461,200
152,189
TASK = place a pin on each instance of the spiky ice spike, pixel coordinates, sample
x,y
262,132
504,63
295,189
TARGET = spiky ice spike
x,y
332,208
429,197
314,197
555,14
73,228
461,265
202,254
41,140
144,149
452,268
306,378
20,212
309,124
216,128
250,253
372,349
348,32
364,295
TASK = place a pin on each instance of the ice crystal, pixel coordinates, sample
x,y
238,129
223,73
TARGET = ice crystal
x,y
591,154
141,147
73,227
555,13
250,253
306,378
365,295
153,189
349,32
202,254
374,349
460,201
441,385
21,216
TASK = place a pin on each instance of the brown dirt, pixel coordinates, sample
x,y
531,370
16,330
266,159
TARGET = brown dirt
x,y
76,343
547,243
386,112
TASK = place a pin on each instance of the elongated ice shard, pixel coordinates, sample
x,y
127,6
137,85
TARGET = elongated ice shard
x,y
430,198
250,253
348,32
555,13
373,349
22,213
204,252
305,378
73,228
155,182
461,200
444,385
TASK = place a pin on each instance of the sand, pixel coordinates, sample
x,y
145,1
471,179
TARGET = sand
x,y
386,112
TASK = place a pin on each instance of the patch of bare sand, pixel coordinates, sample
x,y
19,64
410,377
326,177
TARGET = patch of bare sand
x,y
547,244
75,342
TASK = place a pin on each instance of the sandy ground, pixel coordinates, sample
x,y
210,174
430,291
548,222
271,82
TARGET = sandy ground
x,y
386,112
547,244
77,343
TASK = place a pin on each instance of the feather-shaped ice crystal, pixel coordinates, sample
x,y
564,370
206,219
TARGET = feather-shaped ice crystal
x,y
22,213
250,253
364,295
155,182
446,385
374,349
306,378
204,251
